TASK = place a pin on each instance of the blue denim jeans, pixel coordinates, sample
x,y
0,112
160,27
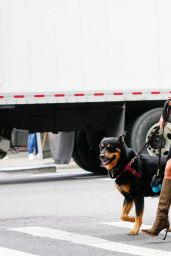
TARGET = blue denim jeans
x,y
32,143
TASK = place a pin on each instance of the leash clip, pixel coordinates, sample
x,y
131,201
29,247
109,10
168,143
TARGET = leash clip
x,y
111,174
132,160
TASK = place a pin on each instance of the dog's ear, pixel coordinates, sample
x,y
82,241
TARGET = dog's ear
x,y
103,139
121,137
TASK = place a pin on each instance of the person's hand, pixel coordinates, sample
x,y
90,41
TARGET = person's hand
x,y
162,123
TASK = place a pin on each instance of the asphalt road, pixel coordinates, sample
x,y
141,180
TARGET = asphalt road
x,y
69,213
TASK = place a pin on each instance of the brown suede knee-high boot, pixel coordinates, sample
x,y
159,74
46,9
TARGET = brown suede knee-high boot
x,y
161,222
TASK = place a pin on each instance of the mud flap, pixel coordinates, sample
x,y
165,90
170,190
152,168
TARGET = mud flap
x,y
117,124
61,146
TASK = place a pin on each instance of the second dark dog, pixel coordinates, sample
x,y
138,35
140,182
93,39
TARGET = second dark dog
x,y
133,180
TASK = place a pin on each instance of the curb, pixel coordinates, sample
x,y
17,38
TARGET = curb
x,y
24,166
30,169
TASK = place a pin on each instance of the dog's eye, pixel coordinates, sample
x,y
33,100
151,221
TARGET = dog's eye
x,y
110,148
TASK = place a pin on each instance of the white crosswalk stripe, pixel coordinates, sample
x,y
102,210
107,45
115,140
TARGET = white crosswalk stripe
x,y
10,252
90,241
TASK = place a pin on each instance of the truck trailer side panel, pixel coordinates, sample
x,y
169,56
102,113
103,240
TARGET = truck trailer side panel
x,y
77,45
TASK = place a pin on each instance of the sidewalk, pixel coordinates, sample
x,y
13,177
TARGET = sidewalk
x,y
16,162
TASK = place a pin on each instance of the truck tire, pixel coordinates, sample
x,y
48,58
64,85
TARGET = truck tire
x,y
76,157
87,152
5,138
144,127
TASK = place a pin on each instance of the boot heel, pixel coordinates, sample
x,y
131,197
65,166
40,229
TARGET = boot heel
x,y
166,230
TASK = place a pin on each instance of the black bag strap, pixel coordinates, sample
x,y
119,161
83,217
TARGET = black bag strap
x,y
166,110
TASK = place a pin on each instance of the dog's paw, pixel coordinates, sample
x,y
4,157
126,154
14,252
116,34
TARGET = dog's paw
x,y
131,219
128,218
133,232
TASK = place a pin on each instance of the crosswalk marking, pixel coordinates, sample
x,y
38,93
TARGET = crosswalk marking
x,y
10,252
124,224
91,241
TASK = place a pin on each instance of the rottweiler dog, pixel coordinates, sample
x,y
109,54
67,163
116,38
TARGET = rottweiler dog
x,y
133,175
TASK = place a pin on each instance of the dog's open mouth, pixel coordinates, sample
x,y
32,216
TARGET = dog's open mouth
x,y
106,160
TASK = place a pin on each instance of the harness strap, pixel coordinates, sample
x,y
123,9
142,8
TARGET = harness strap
x,y
126,168
133,171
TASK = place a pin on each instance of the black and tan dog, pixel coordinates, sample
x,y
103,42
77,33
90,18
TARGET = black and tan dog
x,y
133,180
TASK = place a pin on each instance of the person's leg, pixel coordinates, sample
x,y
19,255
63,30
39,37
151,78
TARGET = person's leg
x,y
36,145
161,222
167,173
31,146
33,141
30,143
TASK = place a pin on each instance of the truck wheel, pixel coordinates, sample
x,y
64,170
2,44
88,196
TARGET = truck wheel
x,y
144,127
5,137
2,154
87,149
76,157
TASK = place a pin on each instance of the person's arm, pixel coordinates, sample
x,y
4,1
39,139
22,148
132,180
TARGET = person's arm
x,y
162,123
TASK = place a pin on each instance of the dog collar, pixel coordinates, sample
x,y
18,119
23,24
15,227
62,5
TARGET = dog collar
x,y
113,172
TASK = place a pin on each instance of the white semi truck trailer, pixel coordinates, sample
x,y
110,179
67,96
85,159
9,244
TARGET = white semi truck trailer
x,y
91,67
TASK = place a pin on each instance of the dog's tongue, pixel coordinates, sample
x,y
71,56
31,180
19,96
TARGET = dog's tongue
x,y
105,161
